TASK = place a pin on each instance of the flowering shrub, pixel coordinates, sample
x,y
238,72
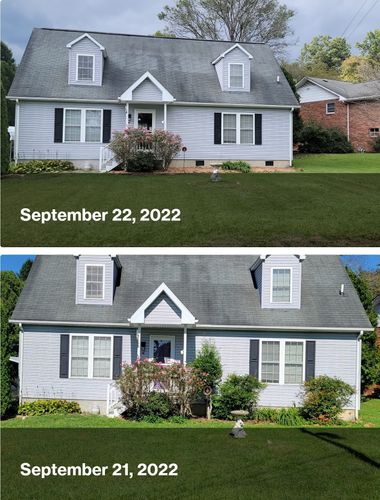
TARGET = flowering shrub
x,y
134,144
141,382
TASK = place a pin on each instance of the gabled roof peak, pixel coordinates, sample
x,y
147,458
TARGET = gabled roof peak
x,y
85,35
235,46
166,95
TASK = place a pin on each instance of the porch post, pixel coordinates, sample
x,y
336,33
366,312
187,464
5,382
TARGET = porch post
x,y
165,115
138,336
127,115
184,345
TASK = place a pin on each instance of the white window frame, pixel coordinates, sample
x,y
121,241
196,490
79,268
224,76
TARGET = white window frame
x,y
238,129
83,125
162,337
90,368
146,111
327,108
374,134
229,76
85,281
282,360
77,68
291,284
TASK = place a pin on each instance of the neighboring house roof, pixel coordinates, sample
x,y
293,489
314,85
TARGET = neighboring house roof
x,y
217,290
346,90
183,66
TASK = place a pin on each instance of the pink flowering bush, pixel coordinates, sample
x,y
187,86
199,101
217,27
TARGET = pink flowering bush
x,y
139,149
141,382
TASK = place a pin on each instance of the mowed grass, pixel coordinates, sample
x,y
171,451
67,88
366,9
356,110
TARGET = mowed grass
x,y
269,463
241,210
365,163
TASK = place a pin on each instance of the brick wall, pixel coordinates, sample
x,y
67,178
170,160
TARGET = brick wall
x,y
363,116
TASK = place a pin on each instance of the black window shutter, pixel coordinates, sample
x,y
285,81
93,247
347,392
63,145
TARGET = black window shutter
x,y
258,129
310,359
117,348
254,348
64,357
217,128
58,124
106,125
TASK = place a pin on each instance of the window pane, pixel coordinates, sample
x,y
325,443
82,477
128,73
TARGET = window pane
x,y
79,356
102,367
93,125
72,124
293,362
246,129
281,285
85,67
162,349
229,129
102,347
94,282
270,366
236,75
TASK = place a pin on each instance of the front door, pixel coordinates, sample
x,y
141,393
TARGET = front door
x,y
144,120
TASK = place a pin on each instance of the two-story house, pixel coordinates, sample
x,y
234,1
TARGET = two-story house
x,y
227,101
284,319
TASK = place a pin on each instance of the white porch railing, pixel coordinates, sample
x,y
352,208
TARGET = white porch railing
x,y
107,159
114,405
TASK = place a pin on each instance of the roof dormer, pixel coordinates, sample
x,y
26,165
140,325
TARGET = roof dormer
x,y
96,279
86,61
278,279
233,68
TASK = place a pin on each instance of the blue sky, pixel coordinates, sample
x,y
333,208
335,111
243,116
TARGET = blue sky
x,y
328,17
365,262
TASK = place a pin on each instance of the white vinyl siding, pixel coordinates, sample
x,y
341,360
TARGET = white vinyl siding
x,y
90,356
85,67
82,125
94,282
314,93
281,285
238,128
236,75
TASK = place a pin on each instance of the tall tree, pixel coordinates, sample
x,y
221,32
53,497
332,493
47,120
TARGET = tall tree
x,y
237,20
297,119
325,50
25,269
8,70
370,46
5,140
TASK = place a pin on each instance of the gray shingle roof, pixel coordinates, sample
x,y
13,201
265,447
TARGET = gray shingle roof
x,y
183,66
350,90
218,290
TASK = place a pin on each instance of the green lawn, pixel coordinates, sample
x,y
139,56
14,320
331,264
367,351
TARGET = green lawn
x,y
241,210
366,163
370,412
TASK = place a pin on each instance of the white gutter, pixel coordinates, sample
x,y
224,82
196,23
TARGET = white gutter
x,y
62,99
291,137
71,323
230,105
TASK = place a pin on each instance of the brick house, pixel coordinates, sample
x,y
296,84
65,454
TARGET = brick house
x,y
354,108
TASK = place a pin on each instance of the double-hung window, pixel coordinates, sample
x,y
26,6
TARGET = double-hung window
x,y
236,76
330,108
281,285
85,68
82,125
94,283
374,132
282,361
238,128
91,356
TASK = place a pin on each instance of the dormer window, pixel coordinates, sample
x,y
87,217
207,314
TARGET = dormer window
x,y
236,75
281,290
94,282
85,67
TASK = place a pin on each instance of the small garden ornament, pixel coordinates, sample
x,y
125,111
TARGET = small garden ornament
x,y
238,431
215,176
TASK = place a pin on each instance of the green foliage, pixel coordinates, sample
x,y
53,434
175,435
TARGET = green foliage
x,y
238,392
317,139
365,295
239,166
8,70
324,398
41,166
283,416
376,145
5,139
143,161
49,407
297,120
208,363
325,50
25,269
157,404
370,46
11,286
176,419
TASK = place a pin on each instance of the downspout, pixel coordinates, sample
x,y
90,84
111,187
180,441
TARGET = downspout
x,y
291,138
358,373
17,120
20,361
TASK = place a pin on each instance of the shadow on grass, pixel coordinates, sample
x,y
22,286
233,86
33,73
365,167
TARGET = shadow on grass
x,y
332,438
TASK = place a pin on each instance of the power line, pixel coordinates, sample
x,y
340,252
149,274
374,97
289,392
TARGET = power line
x,y
354,17
362,19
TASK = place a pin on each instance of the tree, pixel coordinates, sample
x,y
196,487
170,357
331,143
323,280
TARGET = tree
x,y
237,20
325,51
25,269
297,120
10,290
351,69
5,140
8,70
208,362
370,46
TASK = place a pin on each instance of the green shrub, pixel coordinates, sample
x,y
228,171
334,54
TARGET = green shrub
x,y
283,416
157,404
176,419
49,407
5,139
316,139
152,419
240,166
238,392
324,398
376,145
142,161
41,166
209,364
